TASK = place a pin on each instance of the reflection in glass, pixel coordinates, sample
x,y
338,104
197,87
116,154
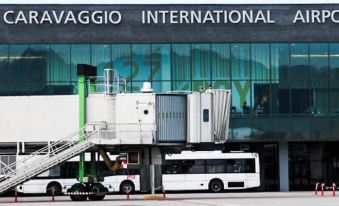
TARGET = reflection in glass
x,y
201,61
80,54
161,62
101,57
4,70
240,61
221,62
181,62
334,77
141,62
60,70
181,66
279,62
319,75
241,100
260,61
121,60
261,94
201,85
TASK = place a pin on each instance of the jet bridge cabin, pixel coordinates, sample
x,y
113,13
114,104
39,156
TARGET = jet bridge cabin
x,y
150,118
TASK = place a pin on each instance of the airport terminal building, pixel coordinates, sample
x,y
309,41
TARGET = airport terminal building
x,y
280,61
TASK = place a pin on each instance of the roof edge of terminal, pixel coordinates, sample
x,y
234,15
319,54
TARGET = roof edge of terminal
x,y
166,2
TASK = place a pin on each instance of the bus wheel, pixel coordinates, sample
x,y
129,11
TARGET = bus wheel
x,y
53,187
216,186
98,188
78,188
127,187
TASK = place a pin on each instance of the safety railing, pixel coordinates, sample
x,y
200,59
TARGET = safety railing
x,y
53,147
36,163
110,83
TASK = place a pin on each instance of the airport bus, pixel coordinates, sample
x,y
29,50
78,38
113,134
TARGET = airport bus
x,y
200,170
60,178
211,170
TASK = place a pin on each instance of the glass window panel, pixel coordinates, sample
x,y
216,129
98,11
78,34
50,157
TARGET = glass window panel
x,y
181,86
281,99
80,54
121,57
181,62
221,84
60,64
38,65
201,61
101,57
240,62
141,62
334,77
161,61
320,100
300,100
161,86
136,87
4,69
299,79
260,61
299,71
280,92
221,61
201,85
279,62
241,101
261,95
19,69
319,60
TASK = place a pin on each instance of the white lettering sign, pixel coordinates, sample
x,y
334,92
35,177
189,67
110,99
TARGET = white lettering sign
x,y
61,17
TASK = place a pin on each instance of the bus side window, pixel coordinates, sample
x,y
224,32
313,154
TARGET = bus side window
x,y
250,166
173,167
215,166
194,166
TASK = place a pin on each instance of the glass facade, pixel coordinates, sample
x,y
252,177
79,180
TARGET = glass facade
x,y
266,79
276,78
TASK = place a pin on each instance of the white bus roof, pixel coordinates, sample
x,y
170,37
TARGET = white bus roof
x,y
211,155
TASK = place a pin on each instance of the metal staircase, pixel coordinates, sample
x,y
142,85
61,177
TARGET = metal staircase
x,y
47,157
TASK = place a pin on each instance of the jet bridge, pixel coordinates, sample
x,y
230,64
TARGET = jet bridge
x,y
109,117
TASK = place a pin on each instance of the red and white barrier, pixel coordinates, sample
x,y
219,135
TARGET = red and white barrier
x,y
163,192
334,187
15,196
323,187
316,189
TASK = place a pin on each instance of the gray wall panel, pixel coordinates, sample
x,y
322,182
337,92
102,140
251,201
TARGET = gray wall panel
x,y
131,30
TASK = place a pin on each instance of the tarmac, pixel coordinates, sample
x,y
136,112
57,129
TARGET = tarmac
x,y
188,199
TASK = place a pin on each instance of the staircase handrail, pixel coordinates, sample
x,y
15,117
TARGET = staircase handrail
x,y
45,150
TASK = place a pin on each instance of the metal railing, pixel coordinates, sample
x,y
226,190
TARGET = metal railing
x,y
46,158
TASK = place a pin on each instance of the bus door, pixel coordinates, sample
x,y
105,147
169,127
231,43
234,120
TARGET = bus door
x,y
195,175
173,177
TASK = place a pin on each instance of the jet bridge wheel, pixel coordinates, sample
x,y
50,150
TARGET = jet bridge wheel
x,y
80,189
98,188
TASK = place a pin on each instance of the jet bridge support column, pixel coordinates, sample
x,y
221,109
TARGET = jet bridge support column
x,y
151,170
83,71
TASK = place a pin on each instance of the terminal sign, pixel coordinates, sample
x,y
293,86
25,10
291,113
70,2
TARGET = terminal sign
x,y
61,17
155,17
